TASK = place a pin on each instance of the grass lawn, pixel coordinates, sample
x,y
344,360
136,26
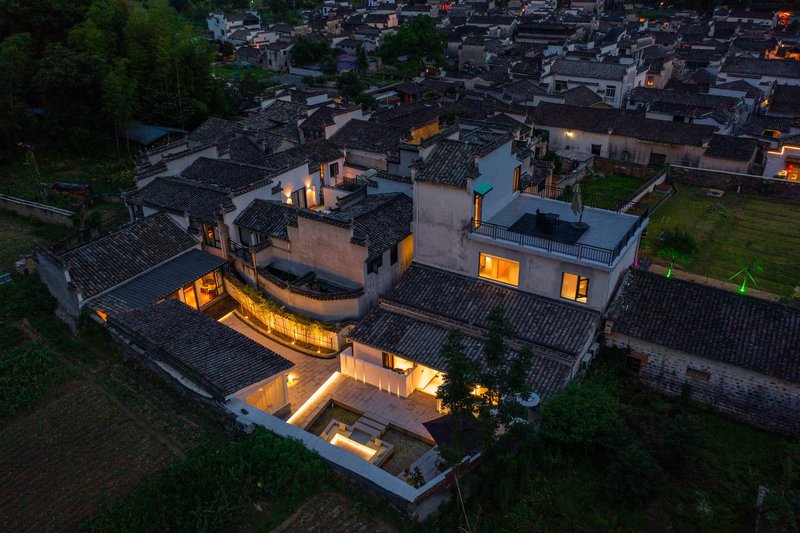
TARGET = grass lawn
x,y
732,231
235,72
616,186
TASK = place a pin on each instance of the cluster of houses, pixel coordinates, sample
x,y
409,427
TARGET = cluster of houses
x,y
393,227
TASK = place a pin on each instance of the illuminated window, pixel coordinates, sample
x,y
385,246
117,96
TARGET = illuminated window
x,y
298,197
396,363
322,173
574,287
499,269
650,81
210,236
477,214
517,173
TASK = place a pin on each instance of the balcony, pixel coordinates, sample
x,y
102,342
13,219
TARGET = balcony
x,y
547,224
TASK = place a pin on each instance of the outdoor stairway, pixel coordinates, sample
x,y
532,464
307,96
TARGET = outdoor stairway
x,y
372,424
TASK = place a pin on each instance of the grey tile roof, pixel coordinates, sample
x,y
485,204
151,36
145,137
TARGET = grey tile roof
x,y
370,136
545,323
724,326
226,174
158,283
118,256
213,130
589,69
618,122
407,116
212,354
176,195
785,99
317,120
268,218
733,148
279,112
747,66
313,153
422,342
581,96
450,163
699,101
241,149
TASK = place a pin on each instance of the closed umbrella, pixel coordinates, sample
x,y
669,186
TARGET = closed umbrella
x,y
577,202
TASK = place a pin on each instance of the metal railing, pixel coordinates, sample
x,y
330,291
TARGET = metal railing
x,y
546,243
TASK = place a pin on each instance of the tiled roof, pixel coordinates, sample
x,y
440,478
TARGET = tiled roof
x,y
749,66
268,218
450,163
408,116
319,119
158,283
730,147
226,174
618,122
380,220
581,96
785,99
370,136
313,153
199,202
422,342
589,69
213,130
740,85
241,149
280,112
683,99
118,256
545,323
709,322
210,353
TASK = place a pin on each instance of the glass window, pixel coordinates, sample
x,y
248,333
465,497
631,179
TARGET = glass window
x,y
334,169
244,236
499,269
517,174
394,254
611,91
322,173
374,265
189,296
561,86
396,363
574,287
210,237
650,81
208,288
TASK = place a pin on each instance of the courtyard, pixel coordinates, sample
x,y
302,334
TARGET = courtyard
x,y
731,232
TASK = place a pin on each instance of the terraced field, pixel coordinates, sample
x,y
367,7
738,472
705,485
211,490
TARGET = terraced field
x,y
733,231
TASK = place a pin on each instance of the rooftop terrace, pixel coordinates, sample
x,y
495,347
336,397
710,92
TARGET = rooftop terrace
x,y
604,237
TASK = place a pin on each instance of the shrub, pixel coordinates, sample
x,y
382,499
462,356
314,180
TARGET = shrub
x,y
581,414
676,245
634,472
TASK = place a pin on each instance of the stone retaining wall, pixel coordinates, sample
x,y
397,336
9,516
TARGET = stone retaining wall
x,y
45,213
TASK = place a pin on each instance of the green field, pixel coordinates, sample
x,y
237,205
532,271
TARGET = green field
x,y
17,235
616,186
733,231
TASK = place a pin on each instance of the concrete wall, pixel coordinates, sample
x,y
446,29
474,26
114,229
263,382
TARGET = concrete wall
x,y
751,397
45,213
636,151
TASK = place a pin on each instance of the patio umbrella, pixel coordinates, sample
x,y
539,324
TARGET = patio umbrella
x,y
443,430
577,202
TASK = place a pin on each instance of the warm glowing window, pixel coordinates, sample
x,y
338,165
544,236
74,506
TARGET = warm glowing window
x,y
322,173
574,287
517,173
499,269
210,236
396,363
650,81
477,214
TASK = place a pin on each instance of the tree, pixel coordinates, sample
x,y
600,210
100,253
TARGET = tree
x,y
310,50
581,415
350,85
418,40
119,96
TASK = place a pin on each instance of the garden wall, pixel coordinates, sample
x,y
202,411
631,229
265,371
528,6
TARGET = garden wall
x,y
732,181
45,213
612,166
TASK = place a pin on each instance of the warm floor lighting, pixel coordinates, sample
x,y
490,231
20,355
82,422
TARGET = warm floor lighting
x,y
314,397
365,452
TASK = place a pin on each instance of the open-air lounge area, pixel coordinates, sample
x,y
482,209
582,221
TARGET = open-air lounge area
x,y
374,424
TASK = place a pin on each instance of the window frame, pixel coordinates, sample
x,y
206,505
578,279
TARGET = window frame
x,y
611,91
334,169
581,298
599,149
517,184
513,263
211,236
559,83
375,265
393,255
300,201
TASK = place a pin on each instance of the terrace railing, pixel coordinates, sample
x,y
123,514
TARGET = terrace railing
x,y
549,244
589,199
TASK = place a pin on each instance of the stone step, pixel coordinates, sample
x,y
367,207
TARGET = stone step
x,y
377,418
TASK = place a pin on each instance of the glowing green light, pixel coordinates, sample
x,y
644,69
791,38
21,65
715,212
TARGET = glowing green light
x,y
669,271
744,286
